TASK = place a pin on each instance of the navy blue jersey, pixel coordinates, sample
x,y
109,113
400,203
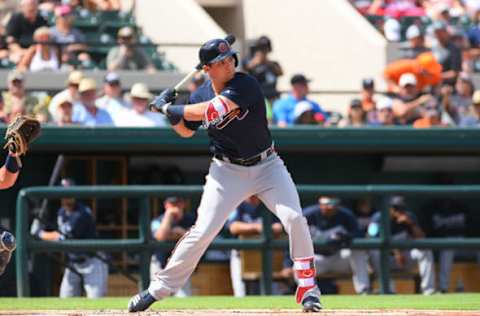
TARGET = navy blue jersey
x,y
248,134
186,222
398,231
445,218
322,226
78,224
247,213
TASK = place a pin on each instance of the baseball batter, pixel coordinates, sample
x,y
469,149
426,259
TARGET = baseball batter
x,y
231,106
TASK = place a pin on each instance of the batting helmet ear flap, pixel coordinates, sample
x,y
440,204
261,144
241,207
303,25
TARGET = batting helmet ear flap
x,y
236,59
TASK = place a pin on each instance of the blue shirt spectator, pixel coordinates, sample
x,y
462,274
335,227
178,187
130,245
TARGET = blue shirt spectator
x,y
284,109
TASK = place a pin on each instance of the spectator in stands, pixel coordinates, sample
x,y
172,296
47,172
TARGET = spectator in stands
x,y
42,55
127,56
63,33
446,217
22,25
84,270
16,98
457,102
392,30
425,67
64,112
246,221
472,116
304,114
367,95
262,68
71,91
138,115
170,226
112,100
89,114
415,44
430,116
384,115
403,225
407,103
447,53
283,109
335,224
356,116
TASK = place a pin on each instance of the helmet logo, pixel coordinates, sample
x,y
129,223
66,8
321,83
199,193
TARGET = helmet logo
x,y
223,47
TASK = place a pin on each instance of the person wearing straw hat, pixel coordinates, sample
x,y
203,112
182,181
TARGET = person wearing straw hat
x,y
71,91
89,114
139,115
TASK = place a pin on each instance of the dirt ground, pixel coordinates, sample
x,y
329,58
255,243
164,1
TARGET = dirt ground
x,y
246,313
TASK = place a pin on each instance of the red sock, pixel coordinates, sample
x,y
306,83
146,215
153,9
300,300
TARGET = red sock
x,y
305,274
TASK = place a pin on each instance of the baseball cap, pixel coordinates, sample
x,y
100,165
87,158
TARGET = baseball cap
x,y
15,75
87,84
355,103
413,31
125,31
65,98
397,201
140,90
368,83
75,77
299,78
112,77
302,107
384,103
67,182
327,200
406,79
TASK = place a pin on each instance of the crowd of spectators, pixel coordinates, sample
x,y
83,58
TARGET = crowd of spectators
x,y
68,35
430,84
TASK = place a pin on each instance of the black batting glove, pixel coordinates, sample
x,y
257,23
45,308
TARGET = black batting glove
x,y
168,96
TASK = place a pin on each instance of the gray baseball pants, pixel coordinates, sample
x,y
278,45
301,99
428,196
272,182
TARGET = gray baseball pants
x,y
95,276
227,185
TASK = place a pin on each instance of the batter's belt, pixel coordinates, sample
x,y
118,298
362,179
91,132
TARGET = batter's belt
x,y
247,162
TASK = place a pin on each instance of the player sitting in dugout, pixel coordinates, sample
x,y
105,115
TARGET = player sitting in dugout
x,y
334,223
404,225
84,271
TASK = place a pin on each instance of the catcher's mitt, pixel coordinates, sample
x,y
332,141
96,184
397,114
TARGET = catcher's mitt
x,y
20,133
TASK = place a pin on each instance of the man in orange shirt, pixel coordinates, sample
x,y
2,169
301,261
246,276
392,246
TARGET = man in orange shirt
x,y
425,68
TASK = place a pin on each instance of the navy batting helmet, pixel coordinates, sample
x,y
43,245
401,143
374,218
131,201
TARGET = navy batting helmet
x,y
215,50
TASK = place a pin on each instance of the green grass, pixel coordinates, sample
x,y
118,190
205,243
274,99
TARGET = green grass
x,y
446,301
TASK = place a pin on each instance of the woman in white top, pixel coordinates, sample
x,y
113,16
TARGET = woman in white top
x,y
41,55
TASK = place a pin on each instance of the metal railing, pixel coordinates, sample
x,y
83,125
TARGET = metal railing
x,y
145,245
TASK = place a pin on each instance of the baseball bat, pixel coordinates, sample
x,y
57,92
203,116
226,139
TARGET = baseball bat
x,y
230,38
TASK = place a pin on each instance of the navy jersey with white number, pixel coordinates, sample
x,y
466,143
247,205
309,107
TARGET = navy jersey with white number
x,y
248,134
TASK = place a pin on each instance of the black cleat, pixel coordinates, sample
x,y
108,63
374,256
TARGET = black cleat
x,y
311,304
140,302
